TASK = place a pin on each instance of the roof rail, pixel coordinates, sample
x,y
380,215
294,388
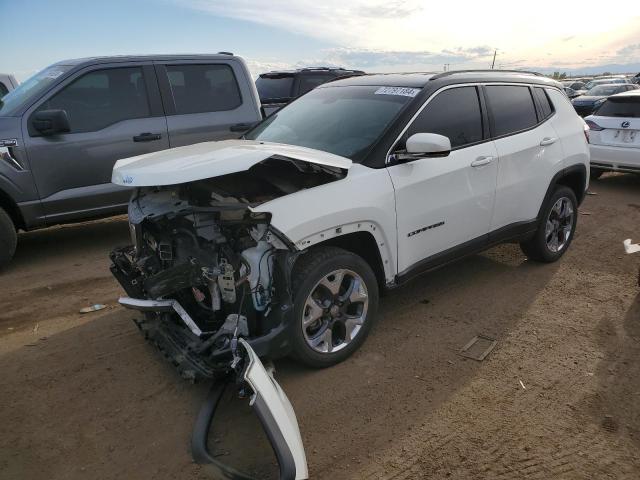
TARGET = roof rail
x,y
453,72
225,53
321,68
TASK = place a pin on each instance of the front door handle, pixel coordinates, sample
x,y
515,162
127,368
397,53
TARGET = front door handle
x,y
147,137
547,141
480,161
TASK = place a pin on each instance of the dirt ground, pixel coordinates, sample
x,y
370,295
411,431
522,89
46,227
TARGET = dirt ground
x,y
83,396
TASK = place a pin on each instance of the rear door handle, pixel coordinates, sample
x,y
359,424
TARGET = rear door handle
x,y
480,161
547,141
241,127
147,137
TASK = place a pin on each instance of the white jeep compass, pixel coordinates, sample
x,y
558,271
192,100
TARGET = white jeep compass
x,y
286,237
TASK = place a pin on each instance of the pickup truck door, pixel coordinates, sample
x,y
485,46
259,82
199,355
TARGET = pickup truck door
x,y
115,112
207,100
444,204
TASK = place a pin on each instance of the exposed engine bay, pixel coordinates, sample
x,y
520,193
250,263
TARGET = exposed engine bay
x,y
207,270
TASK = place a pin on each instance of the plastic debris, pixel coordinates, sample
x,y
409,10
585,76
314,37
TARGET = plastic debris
x,y
522,385
93,308
631,247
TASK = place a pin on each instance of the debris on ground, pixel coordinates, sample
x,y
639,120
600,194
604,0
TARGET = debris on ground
x,y
478,347
631,247
93,308
522,385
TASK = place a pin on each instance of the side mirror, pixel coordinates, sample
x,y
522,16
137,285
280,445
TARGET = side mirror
x,y
50,122
421,145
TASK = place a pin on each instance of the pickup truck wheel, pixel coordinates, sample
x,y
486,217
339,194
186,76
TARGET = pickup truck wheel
x,y
556,228
335,303
8,239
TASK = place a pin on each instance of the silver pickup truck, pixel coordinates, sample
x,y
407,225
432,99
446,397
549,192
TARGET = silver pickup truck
x,y
62,130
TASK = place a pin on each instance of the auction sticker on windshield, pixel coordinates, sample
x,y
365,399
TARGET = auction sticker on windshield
x,y
404,91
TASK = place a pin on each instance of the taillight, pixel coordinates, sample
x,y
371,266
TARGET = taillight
x,y
586,132
593,126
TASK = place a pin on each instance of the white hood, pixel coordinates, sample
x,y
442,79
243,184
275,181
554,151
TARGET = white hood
x,y
210,159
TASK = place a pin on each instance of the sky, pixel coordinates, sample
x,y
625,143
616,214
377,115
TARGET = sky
x,y
373,35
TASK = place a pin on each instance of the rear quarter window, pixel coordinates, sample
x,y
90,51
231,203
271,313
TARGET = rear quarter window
x,y
545,105
512,108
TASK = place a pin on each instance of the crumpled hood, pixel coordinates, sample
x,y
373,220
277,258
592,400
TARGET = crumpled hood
x,y
210,159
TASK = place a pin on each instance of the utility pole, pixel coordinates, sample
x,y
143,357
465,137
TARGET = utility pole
x,y
494,58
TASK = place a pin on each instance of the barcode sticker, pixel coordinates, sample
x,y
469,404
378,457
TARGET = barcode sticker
x,y
403,91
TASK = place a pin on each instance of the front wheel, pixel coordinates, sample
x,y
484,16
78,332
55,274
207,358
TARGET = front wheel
x,y
335,303
555,229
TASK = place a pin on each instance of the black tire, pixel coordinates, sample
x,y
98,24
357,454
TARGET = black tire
x,y
595,173
537,248
309,270
8,238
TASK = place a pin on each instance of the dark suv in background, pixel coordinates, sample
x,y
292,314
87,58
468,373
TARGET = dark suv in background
x,y
278,88
62,130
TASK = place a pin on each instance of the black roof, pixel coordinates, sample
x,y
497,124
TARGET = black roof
x,y
339,70
421,80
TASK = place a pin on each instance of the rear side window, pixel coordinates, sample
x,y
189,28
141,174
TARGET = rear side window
x,y
620,107
274,87
309,82
102,98
203,88
454,113
3,90
546,107
512,108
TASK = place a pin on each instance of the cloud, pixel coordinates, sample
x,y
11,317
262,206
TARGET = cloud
x,y
398,30
629,50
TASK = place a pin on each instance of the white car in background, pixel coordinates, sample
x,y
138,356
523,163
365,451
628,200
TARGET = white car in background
x,y
7,83
614,134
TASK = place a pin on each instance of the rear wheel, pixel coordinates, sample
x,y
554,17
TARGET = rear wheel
x,y
8,238
335,303
556,228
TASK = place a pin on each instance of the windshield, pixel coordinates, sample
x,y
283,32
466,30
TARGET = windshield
x,y
628,107
274,88
31,88
345,121
603,81
604,90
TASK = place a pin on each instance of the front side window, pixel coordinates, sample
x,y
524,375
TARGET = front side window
x,y
101,98
203,88
512,108
346,121
454,113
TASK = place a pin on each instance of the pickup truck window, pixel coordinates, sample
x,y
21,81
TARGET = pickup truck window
x,y
101,98
3,90
345,121
275,88
203,88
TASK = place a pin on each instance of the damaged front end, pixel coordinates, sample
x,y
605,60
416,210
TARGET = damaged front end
x,y
204,267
